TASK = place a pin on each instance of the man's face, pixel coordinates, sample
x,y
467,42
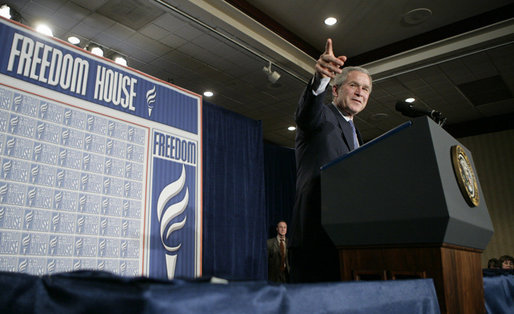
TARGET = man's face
x,y
352,96
507,264
282,229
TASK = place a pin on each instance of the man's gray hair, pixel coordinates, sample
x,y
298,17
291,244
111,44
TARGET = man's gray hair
x,y
341,78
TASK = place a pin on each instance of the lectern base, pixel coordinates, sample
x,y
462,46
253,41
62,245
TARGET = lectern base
x,y
456,271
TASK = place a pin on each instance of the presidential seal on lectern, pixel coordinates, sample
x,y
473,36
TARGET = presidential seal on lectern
x,y
465,175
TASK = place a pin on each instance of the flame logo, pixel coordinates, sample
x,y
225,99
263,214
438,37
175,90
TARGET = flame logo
x,y
62,157
82,202
85,161
25,242
90,122
125,208
67,116
105,205
53,245
51,266
55,221
84,180
87,142
17,102
58,199
40,129
110,128
34,172
3,191
59,177
31,196
22,267
124,227
37,151
166,215
65,135
78,246
15,120
131,134
42,110
76,265
107,185
7,168
108,165
109,146
150,100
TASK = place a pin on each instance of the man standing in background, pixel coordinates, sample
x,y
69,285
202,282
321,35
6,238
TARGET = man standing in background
x,y
278,264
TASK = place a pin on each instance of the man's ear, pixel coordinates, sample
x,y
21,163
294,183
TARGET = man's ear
x,y
335,90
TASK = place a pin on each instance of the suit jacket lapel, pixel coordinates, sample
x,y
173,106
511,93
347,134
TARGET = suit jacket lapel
x,y
346,129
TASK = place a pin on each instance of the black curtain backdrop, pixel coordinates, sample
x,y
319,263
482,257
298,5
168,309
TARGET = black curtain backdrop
x,y
234,210
280,180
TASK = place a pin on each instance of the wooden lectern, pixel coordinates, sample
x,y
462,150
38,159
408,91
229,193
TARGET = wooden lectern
x,y
409,205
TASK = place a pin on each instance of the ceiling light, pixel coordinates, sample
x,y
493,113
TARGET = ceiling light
x,y
5,11
416,16
44,29
291,128
74,40
273,76
119,59
95,49
330,21
410,100
208,93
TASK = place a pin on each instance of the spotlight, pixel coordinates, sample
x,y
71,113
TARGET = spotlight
x,y
9,12
95,49
273,76
119,59
5,11
44,29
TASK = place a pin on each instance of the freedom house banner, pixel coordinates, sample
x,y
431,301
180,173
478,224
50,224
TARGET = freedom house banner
x,y
100,165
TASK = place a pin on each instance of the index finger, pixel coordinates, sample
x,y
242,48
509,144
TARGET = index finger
x,y
328,47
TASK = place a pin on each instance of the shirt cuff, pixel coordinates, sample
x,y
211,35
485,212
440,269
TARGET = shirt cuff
x,y
319,86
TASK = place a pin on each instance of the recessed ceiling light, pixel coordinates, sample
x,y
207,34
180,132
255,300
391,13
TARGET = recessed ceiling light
x,y
410,99
417,16
291,128
44,29
330,21
208,93
74,40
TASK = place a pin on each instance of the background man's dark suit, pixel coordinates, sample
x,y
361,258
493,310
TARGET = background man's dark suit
x,y
274,261
322,135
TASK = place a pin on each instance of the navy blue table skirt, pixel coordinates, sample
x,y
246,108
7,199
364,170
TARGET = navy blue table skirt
x,y
99,292
499,291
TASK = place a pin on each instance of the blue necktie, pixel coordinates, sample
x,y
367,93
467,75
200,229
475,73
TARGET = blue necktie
x,y
354,133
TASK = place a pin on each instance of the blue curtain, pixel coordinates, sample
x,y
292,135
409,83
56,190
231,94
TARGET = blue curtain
x,y
234,212
280,180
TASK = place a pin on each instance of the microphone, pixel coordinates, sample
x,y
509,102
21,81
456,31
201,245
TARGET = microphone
x,y
407,109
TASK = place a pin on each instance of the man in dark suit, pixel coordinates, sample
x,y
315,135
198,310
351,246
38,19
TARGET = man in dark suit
x,y
324,132
278,264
